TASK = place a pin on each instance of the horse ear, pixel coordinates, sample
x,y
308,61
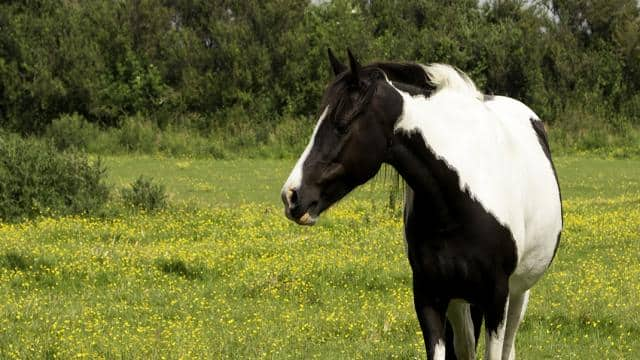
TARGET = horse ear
x,y
336,65
354,65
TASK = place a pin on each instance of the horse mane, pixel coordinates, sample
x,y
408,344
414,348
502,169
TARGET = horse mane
x,y
444,76
406,73
427,79
432,77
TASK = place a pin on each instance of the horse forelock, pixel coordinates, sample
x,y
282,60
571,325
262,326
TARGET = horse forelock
x,y
337,96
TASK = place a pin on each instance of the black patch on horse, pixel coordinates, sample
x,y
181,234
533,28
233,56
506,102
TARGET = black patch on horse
x,y
538,127
460,251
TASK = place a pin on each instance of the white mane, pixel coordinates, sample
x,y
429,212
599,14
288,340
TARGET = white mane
x,y
447,77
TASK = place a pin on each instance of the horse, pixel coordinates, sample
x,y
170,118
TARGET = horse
x,y
482,207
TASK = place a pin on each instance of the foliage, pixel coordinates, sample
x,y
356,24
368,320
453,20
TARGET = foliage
x,y
72,132
36,179
145,194
584,132
117,63
236,138
137,135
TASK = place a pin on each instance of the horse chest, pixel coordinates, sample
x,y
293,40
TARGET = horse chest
x,y
461,259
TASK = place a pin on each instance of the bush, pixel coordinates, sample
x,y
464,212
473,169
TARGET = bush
x,y
591,127
291,136
71,131
138,134
145,194
36,179
190,143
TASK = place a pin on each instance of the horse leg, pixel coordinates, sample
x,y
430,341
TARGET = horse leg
x,y
495,322
431,316
517,308
464,342
448,341
432,325
476,316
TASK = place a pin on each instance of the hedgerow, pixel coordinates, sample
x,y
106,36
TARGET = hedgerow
x,y
201,65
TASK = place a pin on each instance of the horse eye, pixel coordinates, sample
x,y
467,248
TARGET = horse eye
x,y
340,128
377,75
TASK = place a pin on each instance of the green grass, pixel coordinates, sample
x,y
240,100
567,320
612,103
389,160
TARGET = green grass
x,y
229,277
210,183
214,183
205,183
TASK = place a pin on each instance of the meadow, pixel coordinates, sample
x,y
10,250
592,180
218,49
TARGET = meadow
x,y
222,274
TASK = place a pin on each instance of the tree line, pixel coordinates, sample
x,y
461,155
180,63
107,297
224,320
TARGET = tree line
x,y
264,60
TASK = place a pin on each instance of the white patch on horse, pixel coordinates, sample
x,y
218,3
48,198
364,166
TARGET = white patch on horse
x,y
498,158
540,195
439,350
295,178
459,130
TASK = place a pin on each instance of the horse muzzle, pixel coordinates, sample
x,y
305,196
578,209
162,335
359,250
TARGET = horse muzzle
x,y
302,212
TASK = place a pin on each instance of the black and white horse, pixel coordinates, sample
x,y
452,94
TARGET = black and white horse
x,y
482,207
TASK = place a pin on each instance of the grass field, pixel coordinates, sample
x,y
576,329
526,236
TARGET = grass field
x,y
222,273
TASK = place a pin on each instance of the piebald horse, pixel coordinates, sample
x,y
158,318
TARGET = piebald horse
x,y
482,209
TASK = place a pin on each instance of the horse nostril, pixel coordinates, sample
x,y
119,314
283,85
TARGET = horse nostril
x,y
313,204
290,198
293,197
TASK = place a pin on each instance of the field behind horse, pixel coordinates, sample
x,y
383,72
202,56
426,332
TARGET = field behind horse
x,y
222,273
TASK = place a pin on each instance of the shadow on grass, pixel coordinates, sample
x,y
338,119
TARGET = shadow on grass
x,y
15,261
179,268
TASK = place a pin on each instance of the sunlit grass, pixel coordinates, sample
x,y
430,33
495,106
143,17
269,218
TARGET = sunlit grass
x,y
237,280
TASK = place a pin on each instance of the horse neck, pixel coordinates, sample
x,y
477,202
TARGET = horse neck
x,y
420,170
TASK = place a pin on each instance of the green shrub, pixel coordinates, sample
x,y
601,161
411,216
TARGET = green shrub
x,y
106,142
290,136
138,135
145,194
36,179
190,143
71,131
589,127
